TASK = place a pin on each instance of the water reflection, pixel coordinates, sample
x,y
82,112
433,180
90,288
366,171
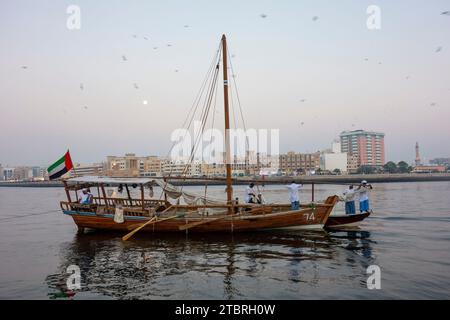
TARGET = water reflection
x,y
195,267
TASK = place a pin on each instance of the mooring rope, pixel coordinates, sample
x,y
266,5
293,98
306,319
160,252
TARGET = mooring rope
x,y
29,215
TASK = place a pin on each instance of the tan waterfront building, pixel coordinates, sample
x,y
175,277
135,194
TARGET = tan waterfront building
x,y
352,163
23,173
131,165
293,163
80,170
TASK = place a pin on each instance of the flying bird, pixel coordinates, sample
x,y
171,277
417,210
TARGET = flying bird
x,y
445,13
134,36
24,67
169,45
315,18
124,58
85,107
154,48
302,100
433,104
186,26
262,15
145,38
438,49
136,86
81,86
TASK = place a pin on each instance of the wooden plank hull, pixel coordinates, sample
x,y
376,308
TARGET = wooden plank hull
x,y
346,220
301,219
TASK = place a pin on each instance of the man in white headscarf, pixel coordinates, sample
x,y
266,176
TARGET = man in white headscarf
x,y
363,191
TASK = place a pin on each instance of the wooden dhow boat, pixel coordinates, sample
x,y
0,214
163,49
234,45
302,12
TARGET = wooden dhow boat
x,y
198,214
161,215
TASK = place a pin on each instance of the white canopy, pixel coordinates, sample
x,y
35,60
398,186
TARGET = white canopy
x,y
108,180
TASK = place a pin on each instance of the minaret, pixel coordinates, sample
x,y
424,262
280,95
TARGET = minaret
x,y
417,155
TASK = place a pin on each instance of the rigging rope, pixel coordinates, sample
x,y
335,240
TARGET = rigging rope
x,y
192,111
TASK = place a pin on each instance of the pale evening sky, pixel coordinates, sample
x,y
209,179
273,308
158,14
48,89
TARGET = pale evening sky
x,y
402,89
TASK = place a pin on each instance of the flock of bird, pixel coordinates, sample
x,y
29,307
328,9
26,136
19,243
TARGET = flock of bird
x,y
263,16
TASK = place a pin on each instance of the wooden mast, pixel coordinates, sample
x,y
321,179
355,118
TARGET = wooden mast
x,y
227,125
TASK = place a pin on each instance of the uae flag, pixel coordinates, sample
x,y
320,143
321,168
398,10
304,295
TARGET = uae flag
x,y
60,167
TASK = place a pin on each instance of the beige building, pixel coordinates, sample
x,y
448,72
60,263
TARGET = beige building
x,y
131,165
176,169
352,163
80,170
298,163
213,169
151,166
23,173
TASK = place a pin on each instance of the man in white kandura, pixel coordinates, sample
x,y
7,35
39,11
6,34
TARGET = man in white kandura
x,y
293,195
85,196
363,191
250,193
349,198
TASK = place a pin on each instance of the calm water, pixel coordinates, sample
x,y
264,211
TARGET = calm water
x,y
408,237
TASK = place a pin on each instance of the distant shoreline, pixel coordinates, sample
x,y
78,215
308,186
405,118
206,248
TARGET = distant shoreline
x,y
325,179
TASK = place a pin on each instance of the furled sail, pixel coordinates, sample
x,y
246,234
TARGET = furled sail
x,y
189,197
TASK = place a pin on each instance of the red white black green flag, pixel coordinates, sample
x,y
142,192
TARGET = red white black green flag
x,y
60,167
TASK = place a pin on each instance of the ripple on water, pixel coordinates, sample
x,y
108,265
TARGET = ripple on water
x,y
407,236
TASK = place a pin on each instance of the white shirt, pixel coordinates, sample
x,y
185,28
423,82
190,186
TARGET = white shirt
x,y
293,191
249,191
349,195
84,197
363,193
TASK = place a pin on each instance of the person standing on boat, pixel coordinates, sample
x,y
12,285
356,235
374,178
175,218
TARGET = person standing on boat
x,y
363,191
349,198
293,195
251,193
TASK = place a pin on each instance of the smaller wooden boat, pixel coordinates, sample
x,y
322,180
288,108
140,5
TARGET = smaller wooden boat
x,y
340,220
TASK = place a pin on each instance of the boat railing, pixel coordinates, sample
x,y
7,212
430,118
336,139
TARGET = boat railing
x,y
128,201
107,209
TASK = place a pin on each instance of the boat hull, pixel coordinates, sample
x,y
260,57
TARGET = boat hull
x,y
310,218
346,220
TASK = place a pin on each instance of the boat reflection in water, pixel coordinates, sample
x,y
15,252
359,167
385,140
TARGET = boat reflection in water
x,y
258,265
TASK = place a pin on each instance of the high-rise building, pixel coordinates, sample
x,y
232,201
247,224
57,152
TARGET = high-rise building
x,y
368,146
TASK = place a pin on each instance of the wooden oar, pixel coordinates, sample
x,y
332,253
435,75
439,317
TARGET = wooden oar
x,y
152,220
194,224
